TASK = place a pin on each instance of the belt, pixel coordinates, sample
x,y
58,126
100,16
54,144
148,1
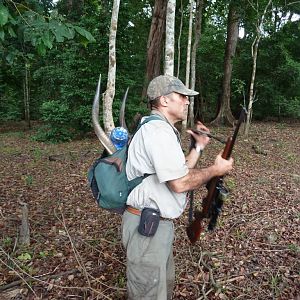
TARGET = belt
x,y
137,212
133,210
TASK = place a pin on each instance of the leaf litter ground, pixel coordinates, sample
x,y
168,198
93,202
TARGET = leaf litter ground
x,y
75,250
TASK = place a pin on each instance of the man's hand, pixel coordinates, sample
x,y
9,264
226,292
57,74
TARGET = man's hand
x,y
201,140
223,166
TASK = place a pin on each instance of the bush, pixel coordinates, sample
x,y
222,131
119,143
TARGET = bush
x,y
291,107
82,118
55,112
11,107
58,117
47,133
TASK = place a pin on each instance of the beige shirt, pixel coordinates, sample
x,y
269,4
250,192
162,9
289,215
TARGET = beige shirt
x,y
156,150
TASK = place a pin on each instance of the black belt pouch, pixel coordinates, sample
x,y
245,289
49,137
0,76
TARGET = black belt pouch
x,y
149,221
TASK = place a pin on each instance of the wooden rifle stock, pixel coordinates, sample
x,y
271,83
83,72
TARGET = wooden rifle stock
x,y
195,228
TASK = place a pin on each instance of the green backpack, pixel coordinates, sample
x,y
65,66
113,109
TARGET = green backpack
x,y
107,177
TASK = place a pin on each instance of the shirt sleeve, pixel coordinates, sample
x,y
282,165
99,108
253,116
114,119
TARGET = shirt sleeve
x,y
165,152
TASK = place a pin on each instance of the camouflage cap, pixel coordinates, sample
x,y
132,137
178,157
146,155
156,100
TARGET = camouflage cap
x,y
165,84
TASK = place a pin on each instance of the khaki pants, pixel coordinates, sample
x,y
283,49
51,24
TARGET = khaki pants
x,y
150,264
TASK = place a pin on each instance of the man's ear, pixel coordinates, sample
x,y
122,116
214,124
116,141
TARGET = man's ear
x,y
163,101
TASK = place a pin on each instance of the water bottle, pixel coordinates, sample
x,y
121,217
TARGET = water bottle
x,y
119,137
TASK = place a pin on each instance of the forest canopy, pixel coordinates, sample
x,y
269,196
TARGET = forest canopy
x,y
52,55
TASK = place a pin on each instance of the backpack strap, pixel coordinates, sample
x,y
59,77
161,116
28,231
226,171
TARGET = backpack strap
x,y
136,181
162,117
156,116
148,119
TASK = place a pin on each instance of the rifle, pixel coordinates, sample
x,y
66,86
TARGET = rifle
x,y
217,192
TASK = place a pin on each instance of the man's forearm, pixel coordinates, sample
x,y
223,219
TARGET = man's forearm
x,y
192,158
193,180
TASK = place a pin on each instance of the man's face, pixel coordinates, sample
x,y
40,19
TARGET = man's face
x,y
177,106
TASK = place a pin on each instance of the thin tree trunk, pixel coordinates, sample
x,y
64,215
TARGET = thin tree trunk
x,y
189,46
188,57
224,115
24,239
170,28
198,21
26,95
251,89
111,79
200,108
179,40
155,42
259,29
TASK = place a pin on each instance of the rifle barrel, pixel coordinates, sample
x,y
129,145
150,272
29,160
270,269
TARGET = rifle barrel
x,y
198,131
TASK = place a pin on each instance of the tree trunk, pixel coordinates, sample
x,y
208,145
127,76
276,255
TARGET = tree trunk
x,y
170,28
201,106
155,45
179,39
259,29
189,46
251,90
224,115
198,21
26,95
111,79
188,57
24,239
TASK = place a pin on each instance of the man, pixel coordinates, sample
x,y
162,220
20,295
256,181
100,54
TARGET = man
x,y
155,149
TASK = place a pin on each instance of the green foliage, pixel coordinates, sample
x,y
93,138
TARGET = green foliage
x,y
6,23
26,23
289,107
9,106
240,234
25,256
7,242
25,259
294,248
82,118
46,253
121,281
293,108
4,15
277,84
58,129
275,281
27,29
74,70
53,134
230,184
55,112
43,254
62,121
28,179
54,40
210,67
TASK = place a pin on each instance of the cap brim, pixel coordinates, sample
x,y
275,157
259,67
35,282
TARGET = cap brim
x,y
186,92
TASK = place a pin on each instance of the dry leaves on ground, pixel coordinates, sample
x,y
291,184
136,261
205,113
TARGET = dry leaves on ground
x,y
75,250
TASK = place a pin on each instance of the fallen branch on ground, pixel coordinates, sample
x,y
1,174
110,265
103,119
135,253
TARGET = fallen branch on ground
x,y
44,277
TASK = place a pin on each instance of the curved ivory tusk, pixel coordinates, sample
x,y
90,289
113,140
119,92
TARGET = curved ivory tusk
x,y
122,111
105,141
